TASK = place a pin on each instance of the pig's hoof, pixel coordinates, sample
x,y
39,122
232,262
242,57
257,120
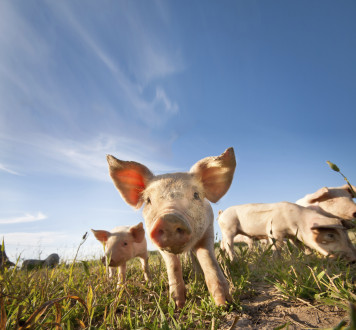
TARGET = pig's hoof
x,y
222,301
180,303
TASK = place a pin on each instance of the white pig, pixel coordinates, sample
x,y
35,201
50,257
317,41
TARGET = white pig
x,y
248,240
279,221
178,215
242,238
122,244
332,201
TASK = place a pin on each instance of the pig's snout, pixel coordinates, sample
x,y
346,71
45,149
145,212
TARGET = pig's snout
x,y
171,233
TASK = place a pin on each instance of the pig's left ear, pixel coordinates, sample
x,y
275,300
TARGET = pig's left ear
x,y
137,232
216,174
321,226
325,223
130,178
101,235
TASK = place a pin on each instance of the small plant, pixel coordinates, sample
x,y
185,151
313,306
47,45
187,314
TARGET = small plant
x,y
335,168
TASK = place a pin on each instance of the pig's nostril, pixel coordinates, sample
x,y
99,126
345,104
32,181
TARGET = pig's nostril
x,y
354,215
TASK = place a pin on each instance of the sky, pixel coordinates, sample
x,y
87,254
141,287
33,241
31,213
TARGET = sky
x,y
166,83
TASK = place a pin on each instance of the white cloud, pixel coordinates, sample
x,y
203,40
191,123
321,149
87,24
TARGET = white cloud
x,y
84,158
33,239
24,218
49,125
161,97
3,168
39,245
151,62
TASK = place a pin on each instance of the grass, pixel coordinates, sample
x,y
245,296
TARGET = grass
x,y
79,294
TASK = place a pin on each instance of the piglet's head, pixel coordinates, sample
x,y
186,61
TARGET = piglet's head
x,y
331,238
118,244
175,203
214,173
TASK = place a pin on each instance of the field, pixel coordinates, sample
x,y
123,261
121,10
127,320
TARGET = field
x,y
291,291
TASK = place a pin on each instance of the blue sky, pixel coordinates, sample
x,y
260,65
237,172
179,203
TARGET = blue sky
x,y
166,83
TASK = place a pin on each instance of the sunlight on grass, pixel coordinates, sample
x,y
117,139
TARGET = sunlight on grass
x,y
80,295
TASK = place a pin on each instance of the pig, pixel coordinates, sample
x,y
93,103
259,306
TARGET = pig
x,y
242,238
279,221
332,201
32,264
51,261
247,240
122,244
4,260
178,215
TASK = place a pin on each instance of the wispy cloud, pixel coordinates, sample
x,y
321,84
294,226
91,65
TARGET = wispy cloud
x,y
5,169
87,158
63,112
24,218
150,62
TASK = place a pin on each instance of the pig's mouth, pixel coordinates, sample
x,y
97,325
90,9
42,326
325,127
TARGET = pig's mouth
x,y
171,232
112,263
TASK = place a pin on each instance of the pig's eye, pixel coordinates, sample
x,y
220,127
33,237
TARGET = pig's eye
x,y
330,236
125,243
148,200
196,196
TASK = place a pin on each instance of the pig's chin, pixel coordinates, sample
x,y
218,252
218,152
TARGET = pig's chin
x,y
173,249
112,263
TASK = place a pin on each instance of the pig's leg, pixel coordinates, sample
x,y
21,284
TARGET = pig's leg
x,y
215,280
192,262
111,272
122,273
175,278
146,271
277,244
228,242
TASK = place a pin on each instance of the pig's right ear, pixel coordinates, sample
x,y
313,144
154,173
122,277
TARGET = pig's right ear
x,y
101,235
318,195
130,178
138,233
216,174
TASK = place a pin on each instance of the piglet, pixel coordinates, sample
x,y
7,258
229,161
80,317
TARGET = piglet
x,y
279,221
178,215
122,244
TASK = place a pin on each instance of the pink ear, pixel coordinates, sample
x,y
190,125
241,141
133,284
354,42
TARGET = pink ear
x,y
137,232
101,235
130,178
216,174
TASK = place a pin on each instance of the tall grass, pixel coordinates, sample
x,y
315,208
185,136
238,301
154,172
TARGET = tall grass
x,y
80,295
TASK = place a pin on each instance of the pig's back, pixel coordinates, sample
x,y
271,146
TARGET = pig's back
x,y
254,218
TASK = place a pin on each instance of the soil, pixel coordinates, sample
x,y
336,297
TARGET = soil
x,y
267,309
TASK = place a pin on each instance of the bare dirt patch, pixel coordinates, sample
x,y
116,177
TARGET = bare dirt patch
x,y
266,309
